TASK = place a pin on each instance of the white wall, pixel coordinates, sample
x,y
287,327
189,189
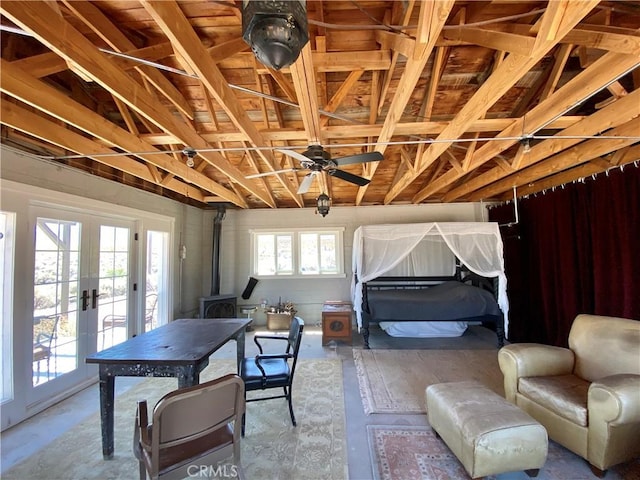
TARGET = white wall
x,y
309,294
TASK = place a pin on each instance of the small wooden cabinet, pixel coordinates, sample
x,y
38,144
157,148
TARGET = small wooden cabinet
x,y
336,322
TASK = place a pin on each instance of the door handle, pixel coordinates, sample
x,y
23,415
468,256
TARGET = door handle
x,y
85,300
94,298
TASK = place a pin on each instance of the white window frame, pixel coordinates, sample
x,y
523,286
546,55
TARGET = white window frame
x,y
295,234
7,254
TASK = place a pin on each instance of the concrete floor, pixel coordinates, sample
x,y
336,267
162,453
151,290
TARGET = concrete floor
x,y
26,438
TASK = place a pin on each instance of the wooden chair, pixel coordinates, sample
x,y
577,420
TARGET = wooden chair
x,y
266,371
193,430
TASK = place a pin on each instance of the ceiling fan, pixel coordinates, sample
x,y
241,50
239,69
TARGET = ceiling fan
x,y
316,159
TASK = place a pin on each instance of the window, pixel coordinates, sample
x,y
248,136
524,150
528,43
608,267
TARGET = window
x,y
297,253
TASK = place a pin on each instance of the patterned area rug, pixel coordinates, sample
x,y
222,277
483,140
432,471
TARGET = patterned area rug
x,y
272,448
409,452
394,381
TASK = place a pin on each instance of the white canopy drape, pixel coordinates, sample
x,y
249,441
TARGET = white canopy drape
x,y
377,249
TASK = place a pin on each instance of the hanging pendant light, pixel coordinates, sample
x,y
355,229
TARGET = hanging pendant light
x,y
275,30
323,202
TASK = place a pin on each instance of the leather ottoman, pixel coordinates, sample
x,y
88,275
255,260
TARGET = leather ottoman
x,y
485,432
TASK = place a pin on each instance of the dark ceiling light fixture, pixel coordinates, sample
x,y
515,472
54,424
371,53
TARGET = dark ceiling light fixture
x,y
323,203
275,30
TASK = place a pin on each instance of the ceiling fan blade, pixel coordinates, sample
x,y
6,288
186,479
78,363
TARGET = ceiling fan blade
x,y
349,177
264,174
360,158
294,154
306,183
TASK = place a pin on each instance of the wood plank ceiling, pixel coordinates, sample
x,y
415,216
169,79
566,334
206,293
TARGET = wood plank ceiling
x,y
450,92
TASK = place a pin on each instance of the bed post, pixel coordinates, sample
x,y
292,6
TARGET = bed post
x,y
365,320
500,331
365,336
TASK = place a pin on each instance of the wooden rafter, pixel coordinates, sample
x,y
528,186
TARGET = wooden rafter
x,y
168,15
606,69
464,88
574,156
304,82
22,119
32,16
105,29
614,115
505,76
413,69
34,92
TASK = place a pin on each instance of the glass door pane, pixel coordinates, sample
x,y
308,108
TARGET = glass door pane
x,y
113,286
156,280
55,301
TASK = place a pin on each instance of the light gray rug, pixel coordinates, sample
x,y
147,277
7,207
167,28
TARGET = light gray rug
x,y
272,448
394,381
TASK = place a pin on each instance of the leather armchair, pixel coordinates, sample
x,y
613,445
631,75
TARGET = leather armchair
x,y
588,395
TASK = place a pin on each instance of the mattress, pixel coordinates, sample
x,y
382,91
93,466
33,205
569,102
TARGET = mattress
x,y
447,301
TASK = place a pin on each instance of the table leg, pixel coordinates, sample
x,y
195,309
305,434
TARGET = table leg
x,y
240,338
189,376
107,386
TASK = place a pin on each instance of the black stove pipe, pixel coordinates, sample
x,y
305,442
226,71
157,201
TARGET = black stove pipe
x,y
215,257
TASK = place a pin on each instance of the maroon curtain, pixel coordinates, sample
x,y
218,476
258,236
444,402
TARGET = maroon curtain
x,y
574,250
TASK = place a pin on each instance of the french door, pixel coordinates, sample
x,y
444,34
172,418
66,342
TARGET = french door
x,y
82,289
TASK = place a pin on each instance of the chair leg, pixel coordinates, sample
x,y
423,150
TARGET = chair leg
x,y
288,393
142,469
597,472
244,414
532,472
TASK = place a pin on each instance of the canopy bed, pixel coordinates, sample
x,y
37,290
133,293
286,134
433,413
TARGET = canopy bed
x,y
447,272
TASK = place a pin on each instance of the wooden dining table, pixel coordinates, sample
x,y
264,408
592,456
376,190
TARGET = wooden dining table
x,y
178,349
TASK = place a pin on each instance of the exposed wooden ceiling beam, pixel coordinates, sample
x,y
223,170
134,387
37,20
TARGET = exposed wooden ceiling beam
x,y
26,121
354,131
168,15
579,173
413,69
584,85
501,80
340,95
38,94
304,82
508,42
34,16
107,31
344,61
388,74
572,157
613,115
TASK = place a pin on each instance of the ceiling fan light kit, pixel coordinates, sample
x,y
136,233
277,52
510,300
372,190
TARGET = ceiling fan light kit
x,y
316,159
275,30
